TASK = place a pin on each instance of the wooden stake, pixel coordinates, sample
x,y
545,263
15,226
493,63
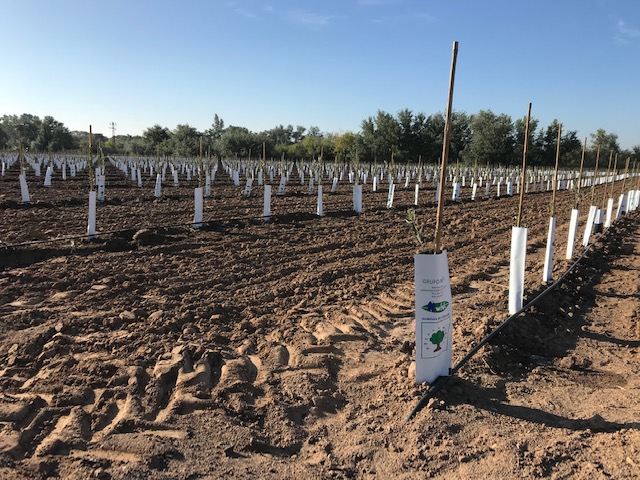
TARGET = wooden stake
x,y
606,181
524,166
595,177
445,149
613,180
577,199
201,166
555,174
626,171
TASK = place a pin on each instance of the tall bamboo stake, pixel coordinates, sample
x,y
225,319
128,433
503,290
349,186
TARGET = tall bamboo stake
x,y
595,177
445,149
555,174
626,171
92,173
577,199
613,180
200,166
524,166
606,180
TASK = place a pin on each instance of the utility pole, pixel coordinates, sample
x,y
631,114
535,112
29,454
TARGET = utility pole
x,y
113,127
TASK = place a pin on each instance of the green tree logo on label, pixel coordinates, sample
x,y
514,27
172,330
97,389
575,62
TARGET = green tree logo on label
x,y
437,339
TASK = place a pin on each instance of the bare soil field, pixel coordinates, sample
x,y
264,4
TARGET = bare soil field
x,y
284,349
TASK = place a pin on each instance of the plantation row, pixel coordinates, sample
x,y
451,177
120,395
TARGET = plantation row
x,y
297,186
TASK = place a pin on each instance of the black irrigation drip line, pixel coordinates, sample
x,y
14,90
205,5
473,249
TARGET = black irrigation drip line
x,y
438,382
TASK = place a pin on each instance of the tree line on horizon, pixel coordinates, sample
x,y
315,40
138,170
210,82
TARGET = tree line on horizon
x,y
481,138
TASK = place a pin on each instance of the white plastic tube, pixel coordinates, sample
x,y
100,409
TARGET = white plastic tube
x,y
91,224
158,190
198,207
588,228
607,222
24,188
357,199
516,268
392,190
266,209
573,231
547,273
319,211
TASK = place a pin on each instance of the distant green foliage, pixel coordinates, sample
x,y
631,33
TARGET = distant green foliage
x,y
477,139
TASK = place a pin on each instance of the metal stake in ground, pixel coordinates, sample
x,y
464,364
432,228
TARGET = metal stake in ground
x,y
445,149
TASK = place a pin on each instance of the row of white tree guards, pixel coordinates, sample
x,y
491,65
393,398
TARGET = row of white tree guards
x,y
245,173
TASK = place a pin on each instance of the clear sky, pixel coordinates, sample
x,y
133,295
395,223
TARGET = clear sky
x,y
328,63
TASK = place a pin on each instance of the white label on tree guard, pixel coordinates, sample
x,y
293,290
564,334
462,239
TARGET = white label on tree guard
x,y
433,316
91,224
573,230
198,207
392,189
319,204
266,211
547,273
247,187
516,268
588,228
357,198
455,196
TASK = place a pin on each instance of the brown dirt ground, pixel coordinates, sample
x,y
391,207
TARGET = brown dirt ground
x,y
284,349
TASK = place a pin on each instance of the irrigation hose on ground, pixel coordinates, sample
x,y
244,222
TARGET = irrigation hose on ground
x,y
438,382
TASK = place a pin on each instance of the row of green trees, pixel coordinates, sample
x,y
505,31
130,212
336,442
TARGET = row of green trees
x,y
484,137
31,132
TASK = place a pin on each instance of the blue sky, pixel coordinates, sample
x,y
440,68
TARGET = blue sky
x,y
325,63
